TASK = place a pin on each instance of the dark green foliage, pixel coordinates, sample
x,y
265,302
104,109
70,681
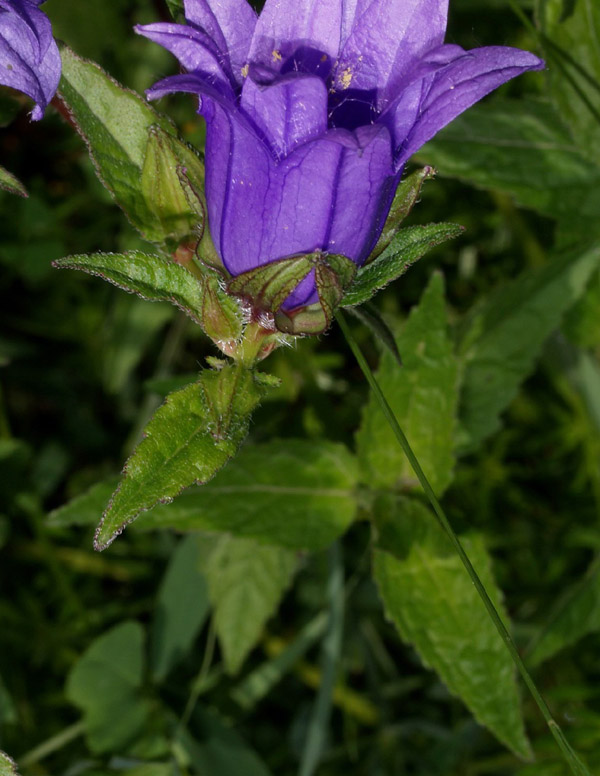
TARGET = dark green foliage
x,y
312,615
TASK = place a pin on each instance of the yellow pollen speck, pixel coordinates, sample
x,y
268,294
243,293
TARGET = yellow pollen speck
x,y
276,56
345,78
245,71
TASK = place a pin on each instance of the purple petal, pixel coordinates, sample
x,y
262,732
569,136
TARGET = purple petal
x,y
387,38
29,57
195,51
230,24
192,83
328,194
288,111
283,25
459,85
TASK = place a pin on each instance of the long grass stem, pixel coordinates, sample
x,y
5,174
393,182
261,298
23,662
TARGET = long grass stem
x,y
577,767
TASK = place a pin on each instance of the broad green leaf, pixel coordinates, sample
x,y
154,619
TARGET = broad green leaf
x,y
10,183
160,280
423,395
191,436
181,609
291,492
506,333
246,582
105,684
114,122
576,615
7,766
430,598
520,147
571,41
406,196
407,247
217,750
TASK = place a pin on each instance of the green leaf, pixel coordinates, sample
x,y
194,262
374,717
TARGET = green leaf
x,y
296,493
430,598
105,684
407,247
570,37
406,196
505,334
160,280
246,582
182,608
577,614
7,766
423,395
191,436
114,122
520,147
218,750
582,321
10,183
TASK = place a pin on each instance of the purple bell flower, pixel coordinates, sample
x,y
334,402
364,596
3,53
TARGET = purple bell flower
x,y
312,110
29,58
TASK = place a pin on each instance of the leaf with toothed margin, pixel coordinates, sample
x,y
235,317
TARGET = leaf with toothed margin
x,y
160,280
7,766
405,249
405,199
10,183
115,123
191,436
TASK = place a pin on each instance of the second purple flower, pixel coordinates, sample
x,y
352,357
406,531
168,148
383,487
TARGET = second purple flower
x,y
312,110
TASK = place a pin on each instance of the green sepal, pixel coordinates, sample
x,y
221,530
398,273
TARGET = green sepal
x,y
405,249
12,184
169,163
406,196
267,287
191,436
195,291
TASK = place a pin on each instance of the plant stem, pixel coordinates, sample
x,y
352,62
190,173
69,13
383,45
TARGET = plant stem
x,y
577,767
52,745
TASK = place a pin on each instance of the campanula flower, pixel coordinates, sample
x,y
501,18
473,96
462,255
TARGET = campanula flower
x,y
29,58
312,109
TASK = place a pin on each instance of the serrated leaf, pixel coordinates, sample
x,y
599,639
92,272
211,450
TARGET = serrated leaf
x,y
406,196
407,247
11,183
105,684
423,395
570,39
191,436
296,493
505,334
114,122
576,615
181,609
7,766
246,582
430,598
492,145
160,280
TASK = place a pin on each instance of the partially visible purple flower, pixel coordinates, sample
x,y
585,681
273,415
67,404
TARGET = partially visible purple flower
x,y
29,58
312,110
